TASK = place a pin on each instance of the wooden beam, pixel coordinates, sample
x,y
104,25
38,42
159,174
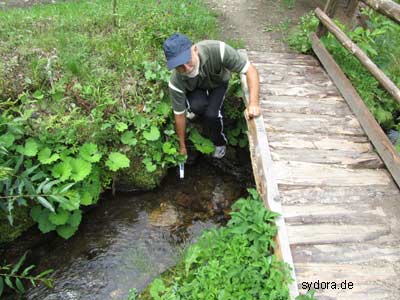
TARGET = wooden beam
x,y
361,56
388,8
330,10
381,142
351,8
266,185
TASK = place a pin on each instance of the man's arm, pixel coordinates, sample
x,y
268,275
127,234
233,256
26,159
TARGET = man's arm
x,y
180,128
253,109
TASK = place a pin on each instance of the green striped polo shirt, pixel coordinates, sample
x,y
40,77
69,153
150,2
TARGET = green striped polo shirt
x,y
217,61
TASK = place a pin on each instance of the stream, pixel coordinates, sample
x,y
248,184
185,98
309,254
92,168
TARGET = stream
x,y
129,239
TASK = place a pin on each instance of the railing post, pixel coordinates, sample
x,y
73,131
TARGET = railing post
x,y
351,8
330,9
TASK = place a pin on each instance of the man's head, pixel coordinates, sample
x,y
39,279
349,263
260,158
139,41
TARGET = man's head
x,y
182,55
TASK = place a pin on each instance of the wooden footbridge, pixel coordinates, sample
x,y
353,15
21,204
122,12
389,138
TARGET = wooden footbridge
x,y
321,160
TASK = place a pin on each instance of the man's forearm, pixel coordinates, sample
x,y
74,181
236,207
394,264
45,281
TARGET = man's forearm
x,y
180,128
253,84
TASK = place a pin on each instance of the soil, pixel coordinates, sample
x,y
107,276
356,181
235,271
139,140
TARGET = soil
x,y
262,24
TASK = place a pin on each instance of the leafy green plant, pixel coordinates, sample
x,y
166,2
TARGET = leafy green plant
x,y
13,277
231,262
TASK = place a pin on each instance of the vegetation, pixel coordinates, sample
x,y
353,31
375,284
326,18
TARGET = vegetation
x,y
232,262
84,102
380,40
13,276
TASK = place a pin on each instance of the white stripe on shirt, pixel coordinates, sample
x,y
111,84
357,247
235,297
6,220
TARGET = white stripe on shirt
x,y
222,50
245,68
175,88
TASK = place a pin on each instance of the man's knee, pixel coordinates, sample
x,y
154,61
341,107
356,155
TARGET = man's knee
x,y
198,107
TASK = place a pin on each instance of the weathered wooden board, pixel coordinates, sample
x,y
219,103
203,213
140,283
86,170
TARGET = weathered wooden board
x,y
334,233
348,159
368,252
303,105
305,90
311,124
280,140
301,173
292,59
356,214
344,195
370,282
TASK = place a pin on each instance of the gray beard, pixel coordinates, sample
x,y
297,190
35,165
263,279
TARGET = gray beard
x,y
194,72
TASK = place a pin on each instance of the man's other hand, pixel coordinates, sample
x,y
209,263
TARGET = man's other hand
x,y
253,110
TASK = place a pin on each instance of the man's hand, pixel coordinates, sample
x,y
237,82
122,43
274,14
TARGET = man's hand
x,y
182,150
253,110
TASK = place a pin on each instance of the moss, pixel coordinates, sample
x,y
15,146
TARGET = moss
x,y
22,221
138,178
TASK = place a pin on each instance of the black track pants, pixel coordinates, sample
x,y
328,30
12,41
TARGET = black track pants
x,y
208,104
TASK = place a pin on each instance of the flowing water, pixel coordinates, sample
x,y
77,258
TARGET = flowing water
x,y
129,239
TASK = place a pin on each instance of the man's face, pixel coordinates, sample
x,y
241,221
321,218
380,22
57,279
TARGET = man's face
x,y
191,68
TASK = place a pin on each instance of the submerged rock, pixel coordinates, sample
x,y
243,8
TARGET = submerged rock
x,y
164,216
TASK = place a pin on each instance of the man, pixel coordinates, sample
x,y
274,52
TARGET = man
x,y
199,83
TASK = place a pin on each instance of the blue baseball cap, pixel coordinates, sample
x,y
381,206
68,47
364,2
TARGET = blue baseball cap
x,y
177,50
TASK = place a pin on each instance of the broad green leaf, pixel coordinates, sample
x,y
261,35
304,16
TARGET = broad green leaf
x,y
80,169
117,161
73,200
7,139
121,126
38,95
128,138
62,170
36,212
140,122
31,147
150,167
66,231
45,225
168,148
153,134
45,156
163,109
86,198
202,144
75,218
90,153
59,218
9,282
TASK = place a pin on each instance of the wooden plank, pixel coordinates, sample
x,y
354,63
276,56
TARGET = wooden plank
x,y
344,195
382,144
311,124
305,90
334,233
319,80
267,186
353,214
304,105
284,59
300,71
364,253
300,173
322,141
349,159
370,282
279,55
385,81
388,8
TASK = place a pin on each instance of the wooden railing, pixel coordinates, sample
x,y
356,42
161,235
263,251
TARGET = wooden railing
x,y
381,142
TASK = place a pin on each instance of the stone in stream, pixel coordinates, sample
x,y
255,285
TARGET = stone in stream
x,y
164,216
